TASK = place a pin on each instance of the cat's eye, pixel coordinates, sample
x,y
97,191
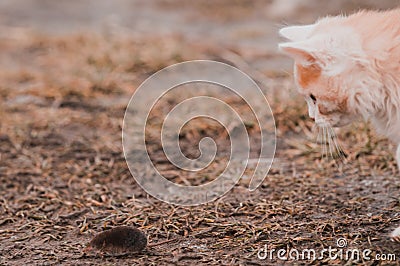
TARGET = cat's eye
x,y
313,98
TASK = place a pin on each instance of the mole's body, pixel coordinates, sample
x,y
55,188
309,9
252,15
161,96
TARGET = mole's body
x,y
121,239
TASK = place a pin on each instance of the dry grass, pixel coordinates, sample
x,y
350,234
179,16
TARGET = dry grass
x,y
63,175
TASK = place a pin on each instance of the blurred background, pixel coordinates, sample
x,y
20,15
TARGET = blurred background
x,y
247,25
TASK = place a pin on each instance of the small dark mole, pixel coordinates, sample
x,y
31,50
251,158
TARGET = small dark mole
x,y
120,239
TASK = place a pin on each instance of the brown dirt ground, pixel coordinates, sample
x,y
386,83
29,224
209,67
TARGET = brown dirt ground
x,y
63,176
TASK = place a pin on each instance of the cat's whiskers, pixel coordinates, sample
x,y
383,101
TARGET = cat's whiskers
x,y
327,138
321,139
322,142
318,138
330,141
339,151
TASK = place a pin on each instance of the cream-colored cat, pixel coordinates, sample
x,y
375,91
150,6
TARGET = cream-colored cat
x,y
348,67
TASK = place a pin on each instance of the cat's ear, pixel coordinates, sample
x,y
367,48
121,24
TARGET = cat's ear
x,y
297,33
299,51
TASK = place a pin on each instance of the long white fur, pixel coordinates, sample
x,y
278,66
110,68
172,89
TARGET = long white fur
x,y
362,66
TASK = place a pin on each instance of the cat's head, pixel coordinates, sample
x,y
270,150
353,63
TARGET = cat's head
x,y
329,62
